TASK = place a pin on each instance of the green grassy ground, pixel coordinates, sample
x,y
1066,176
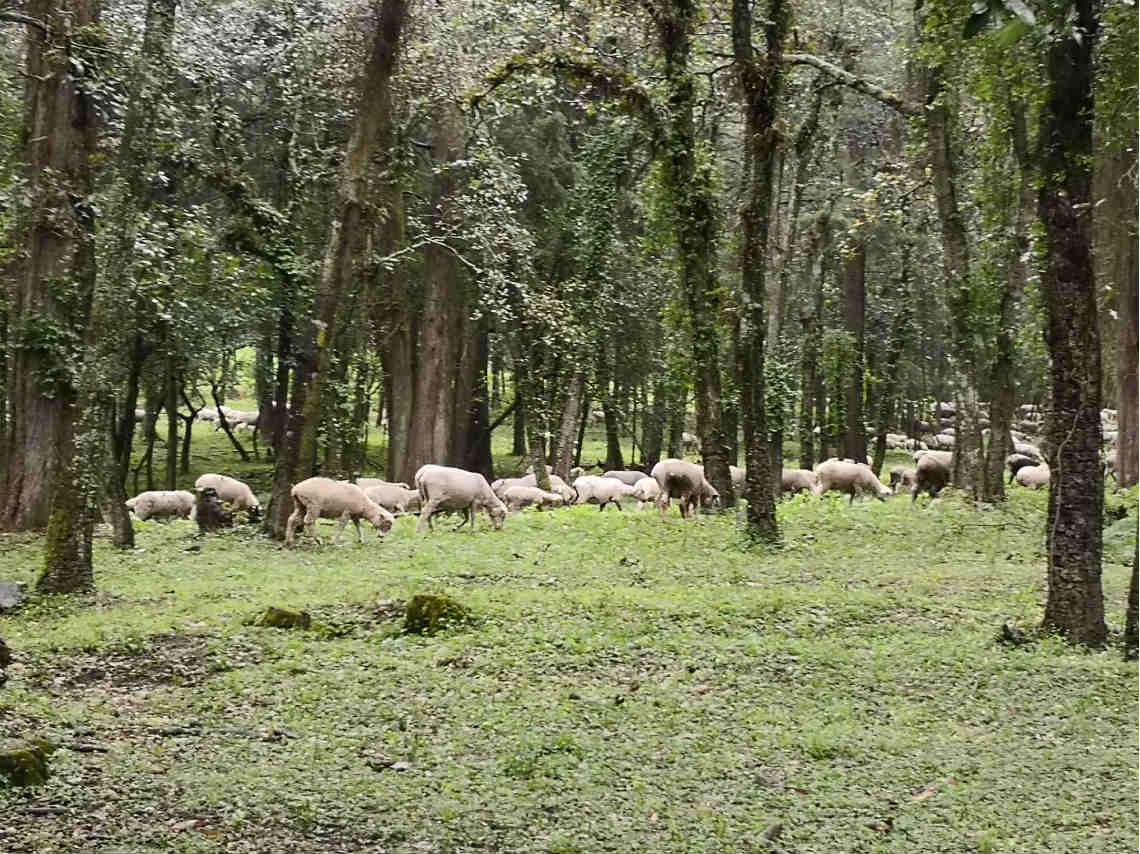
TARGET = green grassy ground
x,y
631,684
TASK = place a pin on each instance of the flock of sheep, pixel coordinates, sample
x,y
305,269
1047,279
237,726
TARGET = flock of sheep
x,y
445,489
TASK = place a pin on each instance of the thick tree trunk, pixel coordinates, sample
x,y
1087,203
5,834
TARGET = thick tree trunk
x,y
54,295
171,479
1075,605
571,415
58,139
122,439
897,339
1132,613
614,459
434,416
583,419
478,457
467,370
344,255
809,364
518,443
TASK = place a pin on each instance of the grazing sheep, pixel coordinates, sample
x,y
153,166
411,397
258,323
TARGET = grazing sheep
x,y
232,491
322,497
685,482
942,441
518,497
739,476
593,489
1016,462
163,504
1109,437
369,482
575,473
628,477
931,473
798,480
902,478
452,489
393,497
646,491
1033,477
557,485
1110,466
849,478
207,413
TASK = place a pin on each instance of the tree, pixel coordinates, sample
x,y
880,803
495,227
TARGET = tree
x,y
1075,605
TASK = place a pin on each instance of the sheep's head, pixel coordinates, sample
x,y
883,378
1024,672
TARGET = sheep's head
x,y
498,512
380,518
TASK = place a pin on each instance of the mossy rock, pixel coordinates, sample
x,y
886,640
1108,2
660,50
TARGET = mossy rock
x,y
24,763
279,618
428,614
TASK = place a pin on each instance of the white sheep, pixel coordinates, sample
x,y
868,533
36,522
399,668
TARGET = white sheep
x,y
685,482
163,504
848,477
230,490
647,491
592,489
519,497
1033,477
393,497
452,489
321,497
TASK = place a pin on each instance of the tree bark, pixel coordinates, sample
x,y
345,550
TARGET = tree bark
x,y
58,139
854,440
518,425
653,428
761,84
344,255
1126,269
1132,613
571,415
1075,605
896,342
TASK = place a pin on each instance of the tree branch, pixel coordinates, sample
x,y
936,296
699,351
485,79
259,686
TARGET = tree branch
x,y
18,18
853,81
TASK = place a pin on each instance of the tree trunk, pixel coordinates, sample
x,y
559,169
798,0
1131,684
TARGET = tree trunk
x,y
690,189
122,439
434,416
518,444
344,254
582,421
854,440
653,428
58,140
1126,270
53,296
1075,605
1132,613
809,365
614,459
478,457
896,342
571,415
171,479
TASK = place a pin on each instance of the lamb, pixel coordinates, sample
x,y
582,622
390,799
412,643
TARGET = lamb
x,y
685,482
518,497
798,480
850,478
902,478
163,504
931,473
646,491
1016,462
393,497
593,489
447,488
629,478
232,491
1034,477
322,497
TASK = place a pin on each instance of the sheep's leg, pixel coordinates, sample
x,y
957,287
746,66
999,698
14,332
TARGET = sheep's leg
x,y
468,516
360,536
425,515
616,503
311,517
291,525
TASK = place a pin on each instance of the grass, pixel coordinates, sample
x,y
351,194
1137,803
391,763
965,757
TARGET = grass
x,y
630,684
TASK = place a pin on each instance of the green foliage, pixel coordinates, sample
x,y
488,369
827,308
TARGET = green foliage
x,y
429,613
24,763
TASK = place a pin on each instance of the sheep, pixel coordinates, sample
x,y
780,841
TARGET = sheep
x,y
690,444
575,473
1031,451
685,482
1110,437
163,504
322,497
208,413
798,480
850,478
902,478
646,491
393,497
518,497
629,478
232,491
1033,477
1016,462
931,473
447,488
1109,462
942,441
557,486
739,476
593,489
